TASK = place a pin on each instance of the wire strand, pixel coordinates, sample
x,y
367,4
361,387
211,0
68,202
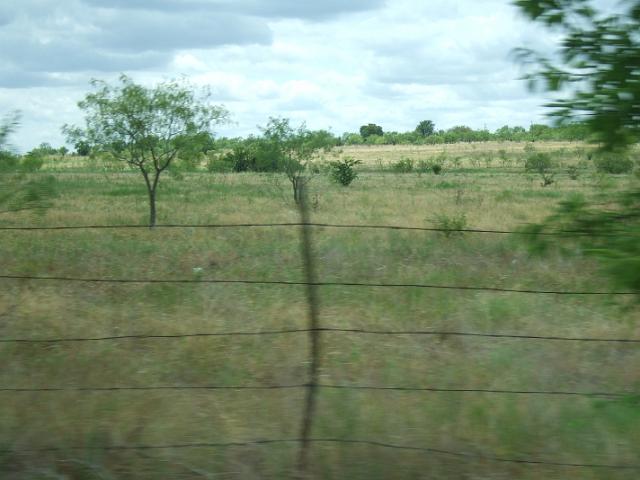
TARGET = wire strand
x,y
316,225
319,284
378,444
306,385
355,331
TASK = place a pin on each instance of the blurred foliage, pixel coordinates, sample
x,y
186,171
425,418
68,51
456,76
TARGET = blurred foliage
x,y
598,64
20,194
613,162
598,71
611,233
17,192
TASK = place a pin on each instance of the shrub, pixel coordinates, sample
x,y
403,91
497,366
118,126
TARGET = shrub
x,y
31,163
404,165
8,161
436,168
423,166
548,178
217,164
450,225
538,162
240,158
82,148
613,162
573,171
342,171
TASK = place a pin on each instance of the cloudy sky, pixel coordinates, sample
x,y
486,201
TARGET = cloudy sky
x,y
332,63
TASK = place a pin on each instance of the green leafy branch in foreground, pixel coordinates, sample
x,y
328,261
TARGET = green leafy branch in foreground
x,y
598,65
609,232
598,69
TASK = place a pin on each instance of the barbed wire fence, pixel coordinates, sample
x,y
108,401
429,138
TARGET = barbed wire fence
x,y
312,386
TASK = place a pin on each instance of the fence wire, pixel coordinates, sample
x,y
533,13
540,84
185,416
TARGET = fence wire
x,y
524,232
342,441
557,393
314,330
151,281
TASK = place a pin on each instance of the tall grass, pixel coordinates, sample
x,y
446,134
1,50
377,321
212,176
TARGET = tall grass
x,y
564,429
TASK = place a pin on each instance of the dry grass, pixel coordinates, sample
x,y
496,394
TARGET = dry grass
x,y
549,428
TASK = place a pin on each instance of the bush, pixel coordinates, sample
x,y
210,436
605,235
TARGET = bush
x,y
450,225
538,162
217,164
82,148
240,159
31,163
436,168
612,162
8,161
189,163
342,171
573,171
404,165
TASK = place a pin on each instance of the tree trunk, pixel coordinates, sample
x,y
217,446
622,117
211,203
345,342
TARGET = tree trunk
x,y
152,208
296,190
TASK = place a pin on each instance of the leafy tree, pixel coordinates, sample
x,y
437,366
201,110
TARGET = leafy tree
x,y
371,129
82,148
352,139
44,149
426,128
539,132
148,128
295,149
598,71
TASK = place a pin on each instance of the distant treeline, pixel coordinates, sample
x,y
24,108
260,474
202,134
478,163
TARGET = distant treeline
x,y
372,134
423,135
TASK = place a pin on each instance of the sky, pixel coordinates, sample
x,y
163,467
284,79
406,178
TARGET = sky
x,y
334,64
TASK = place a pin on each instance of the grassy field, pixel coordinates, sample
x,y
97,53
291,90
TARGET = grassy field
x,y
566,429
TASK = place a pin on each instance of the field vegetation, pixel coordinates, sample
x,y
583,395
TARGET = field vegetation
x,y
483,186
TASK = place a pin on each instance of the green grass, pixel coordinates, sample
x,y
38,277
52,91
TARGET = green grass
x,y
564,429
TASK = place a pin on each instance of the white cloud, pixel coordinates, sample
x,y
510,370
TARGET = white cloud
x,y
332,64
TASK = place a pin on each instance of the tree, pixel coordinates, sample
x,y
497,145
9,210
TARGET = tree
x,y
295,149
598,64
425,128
82,148
371,129
148,128
600,75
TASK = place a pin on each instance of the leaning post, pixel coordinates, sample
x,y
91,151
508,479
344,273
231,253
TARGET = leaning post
x,y
314,333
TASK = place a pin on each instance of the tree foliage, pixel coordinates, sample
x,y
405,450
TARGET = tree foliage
x,y
598,63
599,71
425,128
294,149
148,128
371,129
343,171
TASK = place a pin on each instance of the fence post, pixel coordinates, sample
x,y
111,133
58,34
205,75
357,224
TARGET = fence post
x,y
314,334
